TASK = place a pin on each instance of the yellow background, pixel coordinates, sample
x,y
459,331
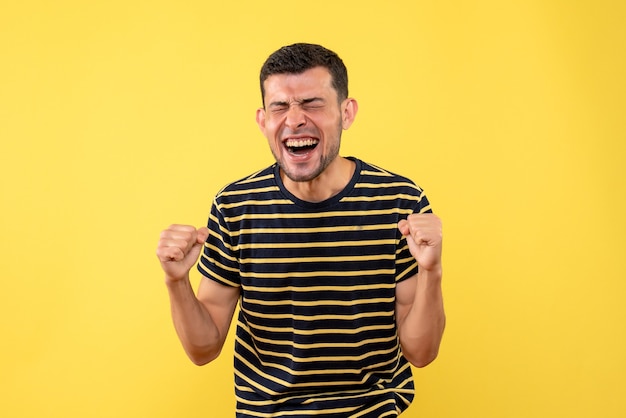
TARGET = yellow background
x,y
118,118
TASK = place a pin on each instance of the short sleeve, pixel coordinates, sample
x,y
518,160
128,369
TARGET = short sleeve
x,y
219,260
406,265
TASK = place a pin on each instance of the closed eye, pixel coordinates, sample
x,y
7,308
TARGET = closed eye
x,y
313,103
278,107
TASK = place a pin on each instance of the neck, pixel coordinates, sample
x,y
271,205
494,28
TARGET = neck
x,y
328,184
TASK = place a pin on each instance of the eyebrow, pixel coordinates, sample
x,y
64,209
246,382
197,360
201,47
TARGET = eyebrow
x,y
300,102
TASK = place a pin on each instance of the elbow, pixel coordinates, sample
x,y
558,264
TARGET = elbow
x,y
202,357
200,361
420,352
423,348
423,358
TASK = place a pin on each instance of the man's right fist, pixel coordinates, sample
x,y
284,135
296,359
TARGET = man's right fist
x,y
179,248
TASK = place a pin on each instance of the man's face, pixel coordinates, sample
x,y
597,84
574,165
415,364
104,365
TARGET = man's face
x,y
302,122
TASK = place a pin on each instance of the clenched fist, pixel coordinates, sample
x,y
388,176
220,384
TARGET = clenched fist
x,y
423,233
179,248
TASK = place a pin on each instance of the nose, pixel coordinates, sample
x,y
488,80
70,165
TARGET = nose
x,y
295,117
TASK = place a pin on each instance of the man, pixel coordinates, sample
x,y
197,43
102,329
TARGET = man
x,y
322,254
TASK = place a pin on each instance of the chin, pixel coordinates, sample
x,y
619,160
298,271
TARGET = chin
x,y
301,173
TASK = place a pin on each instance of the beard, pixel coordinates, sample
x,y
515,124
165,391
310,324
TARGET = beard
x,y
324,161
303,176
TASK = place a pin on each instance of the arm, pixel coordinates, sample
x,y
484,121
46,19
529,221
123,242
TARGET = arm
x,y
201,321
420,314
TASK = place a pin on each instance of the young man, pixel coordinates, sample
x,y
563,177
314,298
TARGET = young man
x,y
322,254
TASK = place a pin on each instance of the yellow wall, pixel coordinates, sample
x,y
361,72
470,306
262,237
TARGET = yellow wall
x,y
120,117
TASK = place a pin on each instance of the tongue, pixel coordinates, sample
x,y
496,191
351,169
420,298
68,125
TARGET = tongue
x,y
301,150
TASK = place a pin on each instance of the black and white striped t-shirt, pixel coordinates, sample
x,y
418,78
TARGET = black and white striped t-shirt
x,y
316,331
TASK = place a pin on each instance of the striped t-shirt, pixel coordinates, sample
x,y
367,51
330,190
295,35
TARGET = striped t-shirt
x,y
316,331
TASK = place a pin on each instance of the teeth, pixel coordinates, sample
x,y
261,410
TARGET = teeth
x,y
301,142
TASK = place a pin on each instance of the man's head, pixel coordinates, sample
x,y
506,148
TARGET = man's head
x,y
305,109
297,58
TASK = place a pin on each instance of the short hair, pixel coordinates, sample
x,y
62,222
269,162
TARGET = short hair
x,y
300,57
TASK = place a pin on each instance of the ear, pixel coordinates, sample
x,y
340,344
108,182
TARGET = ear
x,y
349,108
260,119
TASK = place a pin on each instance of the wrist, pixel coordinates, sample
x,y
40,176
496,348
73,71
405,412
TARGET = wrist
x,y
172,281
433,273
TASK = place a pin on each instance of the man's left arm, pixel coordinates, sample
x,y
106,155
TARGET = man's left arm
x,y
420,315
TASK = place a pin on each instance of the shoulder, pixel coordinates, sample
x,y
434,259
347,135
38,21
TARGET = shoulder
x,y
377,183
373,174
259,180
259,190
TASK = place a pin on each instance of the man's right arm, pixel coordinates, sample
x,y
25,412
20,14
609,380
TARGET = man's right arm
x,y
201,321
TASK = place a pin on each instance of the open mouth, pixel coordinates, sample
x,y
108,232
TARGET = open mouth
x,y
300,146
